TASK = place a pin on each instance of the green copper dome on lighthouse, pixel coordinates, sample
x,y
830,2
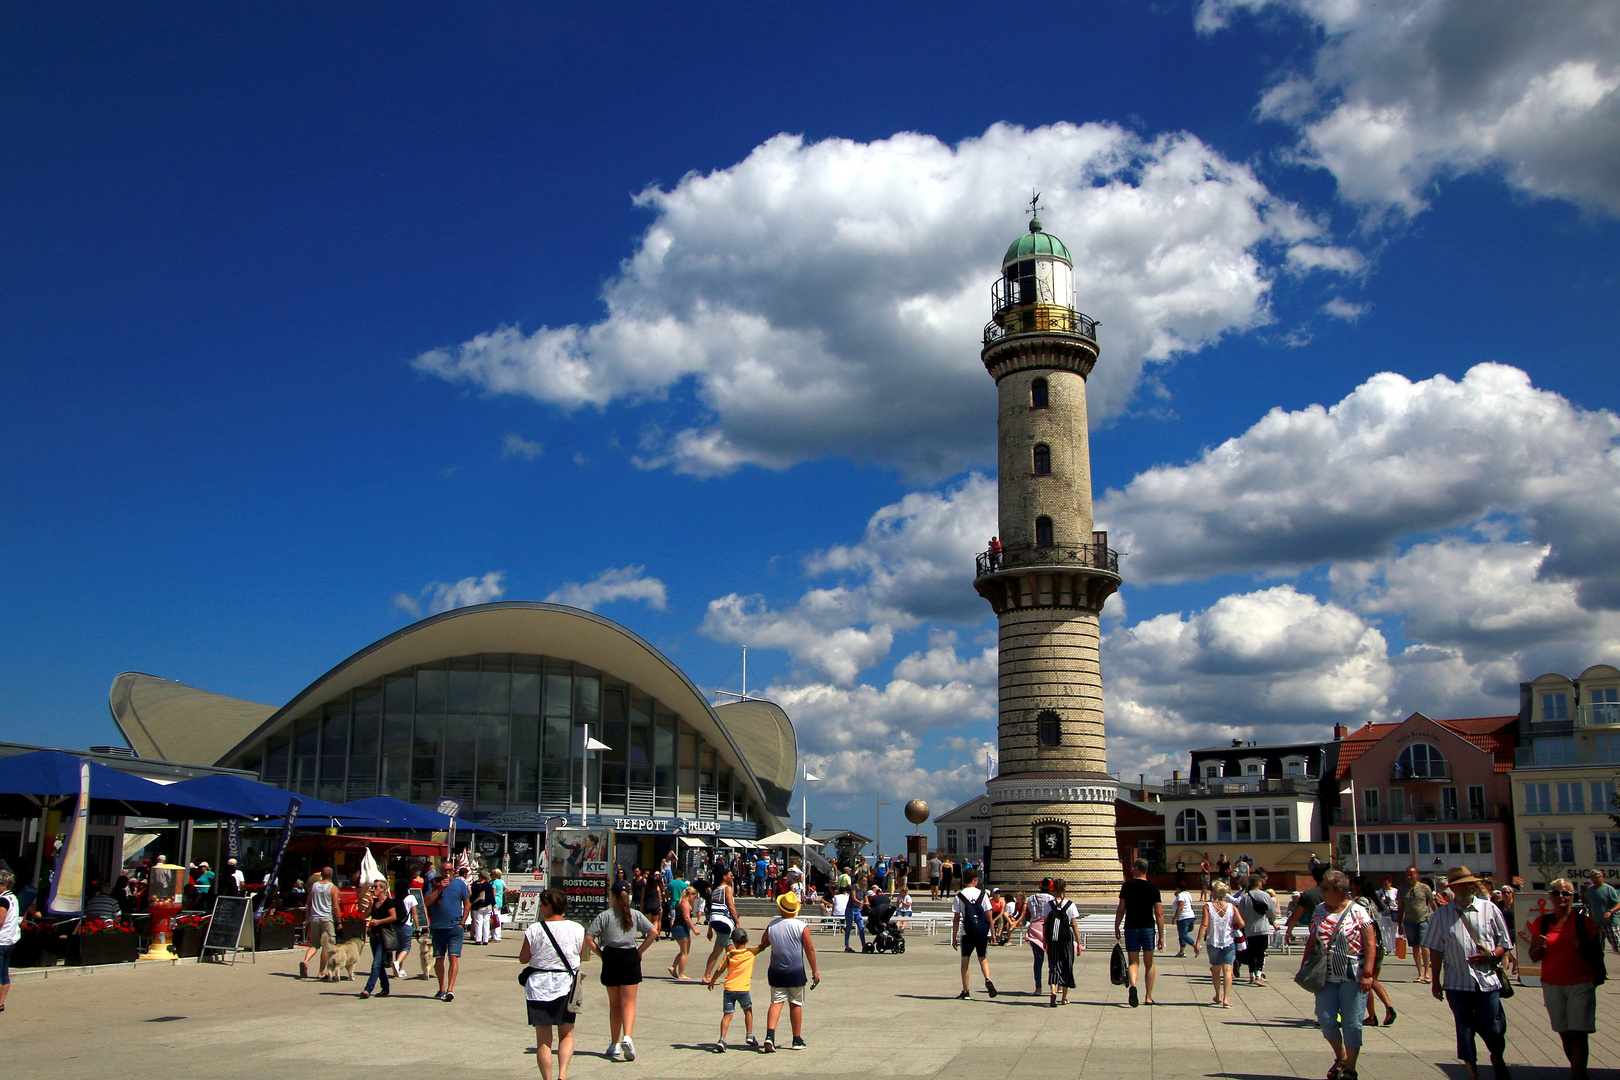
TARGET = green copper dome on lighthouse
x,y
1037,242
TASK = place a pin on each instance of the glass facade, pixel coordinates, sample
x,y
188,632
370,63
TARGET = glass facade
x,y
504,732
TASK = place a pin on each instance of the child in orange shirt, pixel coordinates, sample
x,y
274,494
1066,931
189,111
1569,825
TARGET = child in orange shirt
x,y
739,973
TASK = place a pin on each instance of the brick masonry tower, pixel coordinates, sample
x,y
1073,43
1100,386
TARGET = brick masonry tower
x,y
1052,803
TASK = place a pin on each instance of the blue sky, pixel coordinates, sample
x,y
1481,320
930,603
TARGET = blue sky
x,y
316,319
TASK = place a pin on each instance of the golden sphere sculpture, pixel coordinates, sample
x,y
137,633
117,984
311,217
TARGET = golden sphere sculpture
x,y
916,811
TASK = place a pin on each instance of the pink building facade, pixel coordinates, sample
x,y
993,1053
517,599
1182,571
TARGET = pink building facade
x,y
1427,793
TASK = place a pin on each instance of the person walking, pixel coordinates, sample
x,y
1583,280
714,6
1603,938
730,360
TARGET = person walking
x,y
652,901
551,953
319,928
947,876
847,909
385,917
1416,906
405,932
1367,896
1565,943
1343,932
788,938
722,921
1304,905
1205,872
449,906
1219,925
10,930
1035,909
621,935
1186,919
1140,916
739,973
1466,941
970,927
497,889
933,876
1062,943
682,932
483,906
1260,915
1603,907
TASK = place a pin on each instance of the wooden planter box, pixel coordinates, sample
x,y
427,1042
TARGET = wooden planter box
x,y
271,938
188,940
96,949
30,952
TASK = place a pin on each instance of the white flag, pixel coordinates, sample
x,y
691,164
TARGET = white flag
x,y
811,776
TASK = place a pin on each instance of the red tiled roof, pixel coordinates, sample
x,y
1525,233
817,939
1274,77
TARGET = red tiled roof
x,y
1493,734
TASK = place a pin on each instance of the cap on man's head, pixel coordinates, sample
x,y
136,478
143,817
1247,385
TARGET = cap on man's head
x,y
739,936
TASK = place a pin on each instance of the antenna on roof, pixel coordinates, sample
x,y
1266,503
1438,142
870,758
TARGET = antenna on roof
x,y
745,695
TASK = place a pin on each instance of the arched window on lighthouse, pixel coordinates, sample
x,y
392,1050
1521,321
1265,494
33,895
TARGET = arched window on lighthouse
x,y
1048,729
1043,532
1038,394
1043,459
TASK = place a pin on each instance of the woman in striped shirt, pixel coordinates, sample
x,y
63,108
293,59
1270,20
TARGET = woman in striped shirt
x,y
1344,931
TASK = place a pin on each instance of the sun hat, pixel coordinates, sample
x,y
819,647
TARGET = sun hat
x,y
788,903
1461,875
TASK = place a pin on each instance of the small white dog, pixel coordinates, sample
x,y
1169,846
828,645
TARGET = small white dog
x,y
343,957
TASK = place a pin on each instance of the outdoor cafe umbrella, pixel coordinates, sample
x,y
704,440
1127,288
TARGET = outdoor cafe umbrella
x,y
49,779
399,814
249,798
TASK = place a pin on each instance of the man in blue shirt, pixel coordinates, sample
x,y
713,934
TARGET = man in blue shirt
x,y
449,905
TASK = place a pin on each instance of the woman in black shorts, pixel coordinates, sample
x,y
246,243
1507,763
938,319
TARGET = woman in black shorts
x,y
614,935
550,954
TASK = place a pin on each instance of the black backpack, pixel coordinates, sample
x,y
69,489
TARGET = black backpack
x,y
975,919
1059,931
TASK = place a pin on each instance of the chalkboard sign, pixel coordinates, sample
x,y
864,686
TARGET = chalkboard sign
x,y
226,927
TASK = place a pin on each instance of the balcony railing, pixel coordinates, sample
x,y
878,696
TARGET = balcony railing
x,y
1433,770
1236,785
1418,814
1581,753
1602,714
1021,314
1095,556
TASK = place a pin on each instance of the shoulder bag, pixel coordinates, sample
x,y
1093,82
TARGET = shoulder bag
x,y
1117,968
576,992
1313,970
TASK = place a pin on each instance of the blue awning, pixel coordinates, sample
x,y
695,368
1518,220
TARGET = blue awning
x,y
250,798
399,814
50,779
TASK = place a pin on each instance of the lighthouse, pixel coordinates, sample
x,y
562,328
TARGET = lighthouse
x,y
1052,803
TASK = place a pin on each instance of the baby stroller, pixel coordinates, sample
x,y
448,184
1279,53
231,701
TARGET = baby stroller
x,y
886,937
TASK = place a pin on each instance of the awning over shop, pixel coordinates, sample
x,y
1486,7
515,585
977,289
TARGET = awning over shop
x,y
730,843
692,841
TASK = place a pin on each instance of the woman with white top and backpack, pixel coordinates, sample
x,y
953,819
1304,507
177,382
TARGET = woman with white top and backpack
x,y
1222,925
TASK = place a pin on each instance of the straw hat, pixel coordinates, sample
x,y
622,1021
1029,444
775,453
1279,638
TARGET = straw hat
x,y
1461,875
788,904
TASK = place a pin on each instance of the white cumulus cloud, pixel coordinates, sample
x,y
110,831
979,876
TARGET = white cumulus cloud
x,y
440,596
621,583
1402,93
516,446
827,298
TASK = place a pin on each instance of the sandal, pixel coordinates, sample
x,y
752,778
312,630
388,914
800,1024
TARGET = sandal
x,y
1336,1071
1389,1017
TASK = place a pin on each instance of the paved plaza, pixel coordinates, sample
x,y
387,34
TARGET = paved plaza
x,y
872,1016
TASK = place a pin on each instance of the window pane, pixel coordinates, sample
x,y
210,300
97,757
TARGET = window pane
x,y
559,693
526,694
431,688
399,694
494,693
463,688
587,694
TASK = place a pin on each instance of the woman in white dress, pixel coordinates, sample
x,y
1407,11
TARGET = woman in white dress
x,y
551,951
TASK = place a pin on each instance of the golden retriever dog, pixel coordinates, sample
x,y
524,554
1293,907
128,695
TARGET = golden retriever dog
x,y
342,957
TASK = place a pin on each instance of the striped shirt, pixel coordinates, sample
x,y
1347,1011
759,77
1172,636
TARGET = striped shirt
x,y
1448,935
1341,948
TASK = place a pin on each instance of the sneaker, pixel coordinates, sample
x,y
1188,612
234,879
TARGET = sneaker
x,y
752,1041
1134,1001
615,1052
438,995
380,993
963,996
798,1044
629,1045
990,988
449,996
720,1046
768,1047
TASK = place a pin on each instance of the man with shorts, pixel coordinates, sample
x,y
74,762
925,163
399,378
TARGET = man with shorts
x,y
320,928
1204,872
449,907
970,927
1141,912
933,876
1417,904
788,938
1603,908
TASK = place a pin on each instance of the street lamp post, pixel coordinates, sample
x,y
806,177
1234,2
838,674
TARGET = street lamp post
x,y
804,824
585,775
877,841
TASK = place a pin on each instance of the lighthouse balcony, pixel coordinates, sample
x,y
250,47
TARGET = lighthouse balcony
x,y
1093,556
1039,319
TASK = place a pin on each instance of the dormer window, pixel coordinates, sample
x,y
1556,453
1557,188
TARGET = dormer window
x,y
1043,459
1554,707
1037,394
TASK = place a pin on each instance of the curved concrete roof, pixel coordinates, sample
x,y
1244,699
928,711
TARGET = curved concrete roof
x,y
765,735
519,626
170,721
